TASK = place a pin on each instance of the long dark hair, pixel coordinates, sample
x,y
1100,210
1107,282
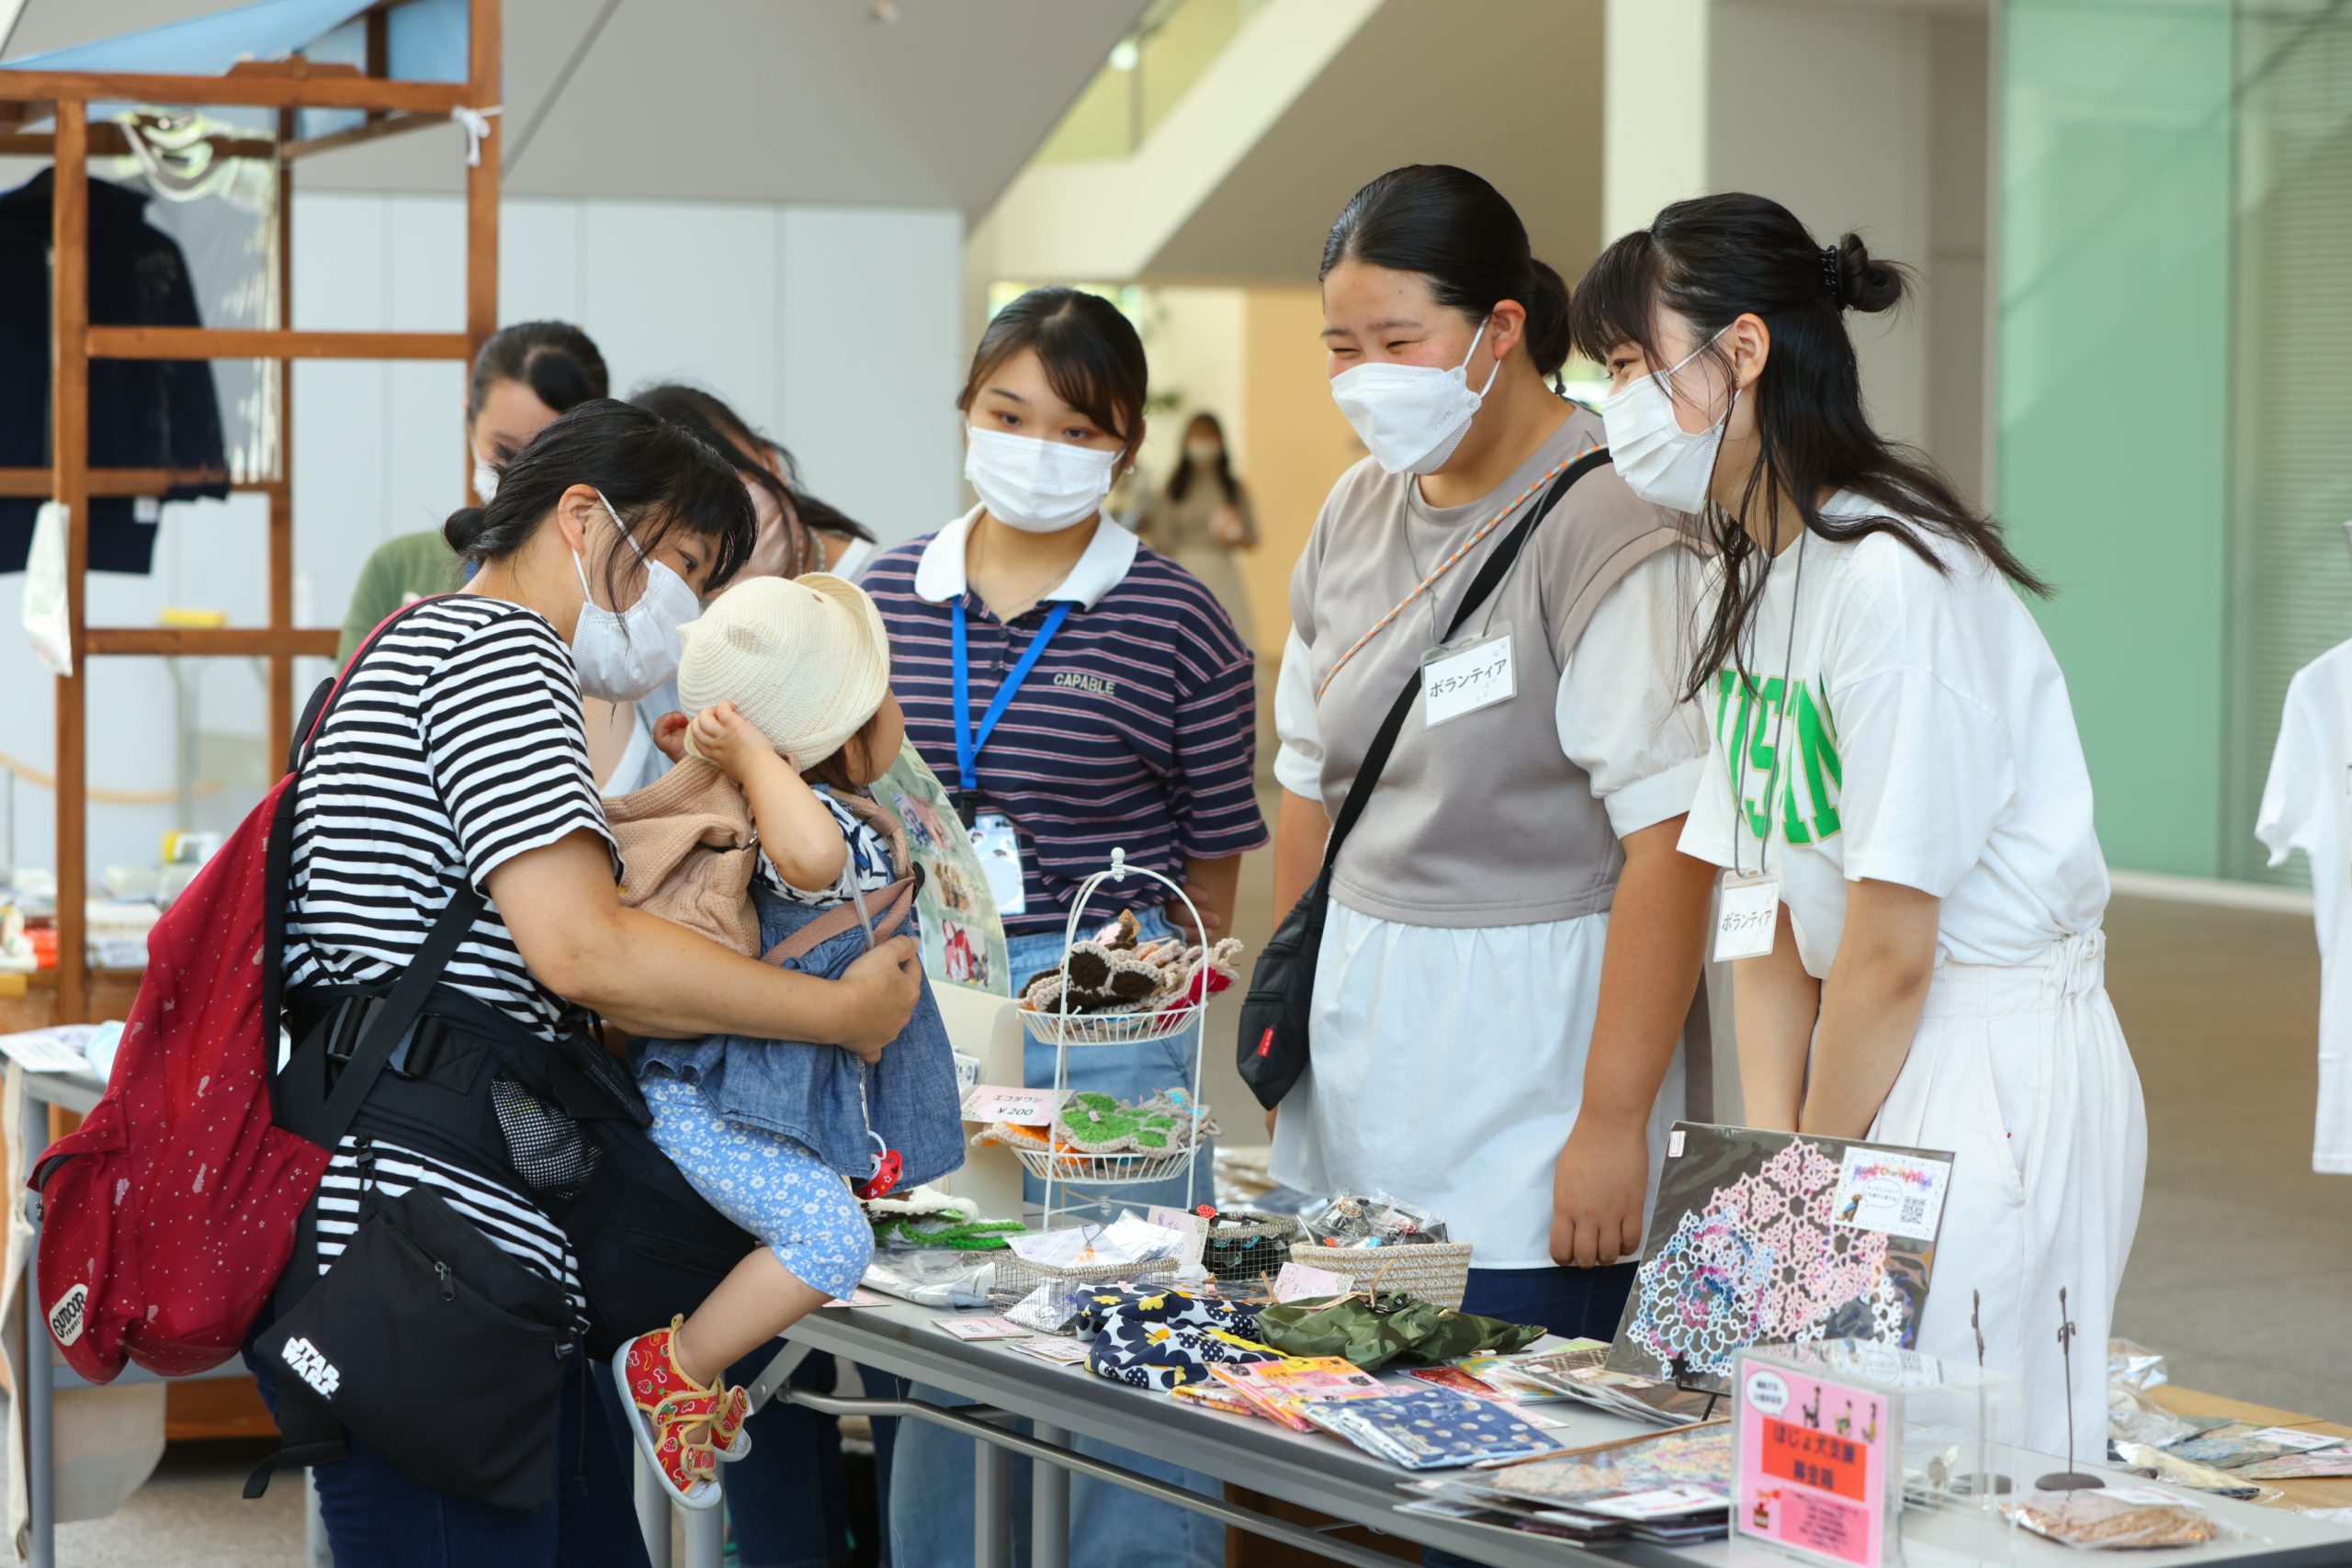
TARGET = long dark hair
x,y
1181,480
1715,258
658,478
1455,230
1092,356
555,359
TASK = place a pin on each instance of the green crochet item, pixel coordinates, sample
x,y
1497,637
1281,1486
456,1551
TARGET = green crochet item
x,y
964,1235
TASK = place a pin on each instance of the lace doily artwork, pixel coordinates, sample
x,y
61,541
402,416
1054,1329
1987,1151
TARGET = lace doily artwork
x,y
1704,1295
1757,1256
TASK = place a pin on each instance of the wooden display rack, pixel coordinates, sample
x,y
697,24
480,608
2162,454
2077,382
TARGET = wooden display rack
x,y
393,107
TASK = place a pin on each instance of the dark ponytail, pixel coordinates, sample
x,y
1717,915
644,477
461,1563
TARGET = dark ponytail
x,y
658,478
555,359
1456,230
1715,258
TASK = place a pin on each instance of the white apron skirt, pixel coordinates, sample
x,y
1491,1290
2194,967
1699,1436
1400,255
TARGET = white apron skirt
x,y
2022,1073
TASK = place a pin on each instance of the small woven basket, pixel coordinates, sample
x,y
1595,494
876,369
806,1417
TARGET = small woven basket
x,y
1436,1271
1015,1280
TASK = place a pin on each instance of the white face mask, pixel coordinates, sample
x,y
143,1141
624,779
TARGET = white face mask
x,y
1203,454
623,654
1036,485
1660,461
485,480
1411,417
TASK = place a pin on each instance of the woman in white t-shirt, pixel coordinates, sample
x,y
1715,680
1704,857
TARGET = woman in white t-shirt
x,y
1894,743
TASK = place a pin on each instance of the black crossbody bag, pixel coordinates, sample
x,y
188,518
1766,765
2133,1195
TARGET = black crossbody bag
x,y
1271,1049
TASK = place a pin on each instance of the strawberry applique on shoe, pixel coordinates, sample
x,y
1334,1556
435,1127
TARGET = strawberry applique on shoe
x,y
678,1419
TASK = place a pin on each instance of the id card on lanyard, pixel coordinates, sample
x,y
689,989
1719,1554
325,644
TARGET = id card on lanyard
x,y
994,837
1747,907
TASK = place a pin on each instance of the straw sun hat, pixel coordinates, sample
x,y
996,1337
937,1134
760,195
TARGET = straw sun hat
x,y
805,660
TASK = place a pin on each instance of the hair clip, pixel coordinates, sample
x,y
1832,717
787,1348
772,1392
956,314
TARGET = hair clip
x,y
1829,270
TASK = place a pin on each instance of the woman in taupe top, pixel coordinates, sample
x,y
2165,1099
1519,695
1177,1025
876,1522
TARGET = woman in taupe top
x,y
1513,940
1204,519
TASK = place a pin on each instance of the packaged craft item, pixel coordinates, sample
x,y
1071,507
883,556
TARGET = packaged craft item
x,y
1091,1123
1214,1395
1375,1221
1429,1429
1247,1249
1115,971
1582,1375
2102,1520
1762,1238
1279,1389
1373,1330
2238,1444
2159,1465
1699,1457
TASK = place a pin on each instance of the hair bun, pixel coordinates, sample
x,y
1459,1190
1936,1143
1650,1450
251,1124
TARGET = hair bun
x,y
1547,320
1866,285
463,530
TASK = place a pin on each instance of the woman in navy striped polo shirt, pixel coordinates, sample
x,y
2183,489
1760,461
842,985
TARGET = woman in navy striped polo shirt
x,y
1130,724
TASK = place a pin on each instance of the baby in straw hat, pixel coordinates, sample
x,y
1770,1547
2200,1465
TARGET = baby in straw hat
x,y
789,683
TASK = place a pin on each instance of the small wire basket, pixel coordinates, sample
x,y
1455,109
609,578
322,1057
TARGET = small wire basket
x,y
1077,1167
1244,1251
1015,1280
1078,1028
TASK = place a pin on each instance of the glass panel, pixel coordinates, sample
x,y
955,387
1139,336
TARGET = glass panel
x,y
1147,75
2112,399
2293,490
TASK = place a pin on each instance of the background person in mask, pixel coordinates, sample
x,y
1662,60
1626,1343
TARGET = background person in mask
x,y
1107,702
455,757
1203,517
1513,940
524,376
1936,978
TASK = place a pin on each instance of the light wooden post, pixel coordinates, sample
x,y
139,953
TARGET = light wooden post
x,y
281,490
482,191
69,459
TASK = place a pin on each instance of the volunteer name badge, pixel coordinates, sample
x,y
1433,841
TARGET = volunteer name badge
x,y
999,847
1462,677
1813,1465
1746,915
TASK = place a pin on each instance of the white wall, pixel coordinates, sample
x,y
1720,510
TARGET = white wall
x,y
838,330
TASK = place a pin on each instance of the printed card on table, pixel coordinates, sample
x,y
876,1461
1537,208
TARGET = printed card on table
x,y
1299,1281
1813,1464
969,1328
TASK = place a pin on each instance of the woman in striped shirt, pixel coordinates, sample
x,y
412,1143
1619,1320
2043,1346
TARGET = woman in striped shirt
x,y
1125,711
455,758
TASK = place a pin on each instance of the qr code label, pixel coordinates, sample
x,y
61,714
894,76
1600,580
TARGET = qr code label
x,y
1901,1194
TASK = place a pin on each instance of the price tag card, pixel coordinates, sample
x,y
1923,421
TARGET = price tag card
x,y
1746,917
1065,1352
969,1329
1194,1228
860,1297
1298,1280
1898,1194
2295,1437
1664,1503
1462,677
1021,1107
1813,1465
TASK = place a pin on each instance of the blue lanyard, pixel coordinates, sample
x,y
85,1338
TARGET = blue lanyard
x,y
969,740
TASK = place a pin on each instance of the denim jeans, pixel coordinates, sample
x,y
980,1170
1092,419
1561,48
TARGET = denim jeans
x,y
378,1516
930,1505
788,1503
1572,1303
931,1472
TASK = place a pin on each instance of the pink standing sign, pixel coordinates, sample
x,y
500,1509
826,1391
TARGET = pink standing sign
x,y
1813,1457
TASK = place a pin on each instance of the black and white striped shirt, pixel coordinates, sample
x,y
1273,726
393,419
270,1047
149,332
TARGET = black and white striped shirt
x,y
508,1218
456,745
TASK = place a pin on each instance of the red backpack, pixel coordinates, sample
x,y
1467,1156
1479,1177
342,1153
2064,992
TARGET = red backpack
x,y
169,1214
